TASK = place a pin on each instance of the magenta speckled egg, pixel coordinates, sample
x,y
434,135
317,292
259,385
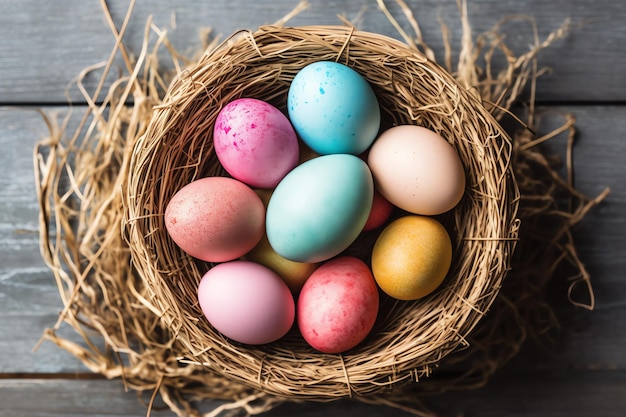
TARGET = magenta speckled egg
x,y
255,142
338,305
215,219
246,302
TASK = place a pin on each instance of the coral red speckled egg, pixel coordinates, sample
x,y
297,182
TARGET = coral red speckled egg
x,y
338,305
380,212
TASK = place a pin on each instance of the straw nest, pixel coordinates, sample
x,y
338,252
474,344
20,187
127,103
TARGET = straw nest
x,y
410,338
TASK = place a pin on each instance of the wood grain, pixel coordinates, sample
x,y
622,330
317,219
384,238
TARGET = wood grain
x,y
29,299
46,44
599,394
49,44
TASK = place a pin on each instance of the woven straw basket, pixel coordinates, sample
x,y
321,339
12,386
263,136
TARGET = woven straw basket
x,y
409,338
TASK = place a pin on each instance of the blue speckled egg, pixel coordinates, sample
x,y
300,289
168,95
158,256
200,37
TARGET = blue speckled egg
x,y
320,208
333,108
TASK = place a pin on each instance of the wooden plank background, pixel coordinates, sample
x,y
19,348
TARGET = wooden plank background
x,y
49,44
46,44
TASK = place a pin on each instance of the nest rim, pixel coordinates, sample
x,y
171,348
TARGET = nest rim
x,y
395,352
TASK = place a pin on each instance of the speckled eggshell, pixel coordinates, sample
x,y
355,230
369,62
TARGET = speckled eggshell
x,y
411,257
417,170
215,219
255,142
246,302
338,305
333,108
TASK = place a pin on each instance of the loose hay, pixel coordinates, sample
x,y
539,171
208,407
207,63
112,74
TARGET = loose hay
x,y
107,187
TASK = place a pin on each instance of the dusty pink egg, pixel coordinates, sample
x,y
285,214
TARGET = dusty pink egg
x,y
246,302
338,305
215,219
255,142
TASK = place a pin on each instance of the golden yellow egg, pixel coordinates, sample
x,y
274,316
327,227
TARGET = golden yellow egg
x,y
411,257
293,273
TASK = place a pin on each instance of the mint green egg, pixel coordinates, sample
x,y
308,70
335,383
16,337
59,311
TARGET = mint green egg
x,y
320,208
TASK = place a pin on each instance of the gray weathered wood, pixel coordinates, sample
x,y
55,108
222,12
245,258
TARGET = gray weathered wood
x,y
537,395
46,44
29,299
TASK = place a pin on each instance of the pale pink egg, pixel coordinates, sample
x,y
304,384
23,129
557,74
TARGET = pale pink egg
x,y
215,219
255,142
338,305
246,302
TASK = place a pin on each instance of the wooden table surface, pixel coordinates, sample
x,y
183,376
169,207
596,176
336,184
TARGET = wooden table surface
x,y
45,44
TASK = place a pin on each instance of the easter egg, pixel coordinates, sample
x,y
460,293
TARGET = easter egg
x,y
380,212
319,208
255,142
215,219
246,302
338,305
293,273
417,170
333,108
411,257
